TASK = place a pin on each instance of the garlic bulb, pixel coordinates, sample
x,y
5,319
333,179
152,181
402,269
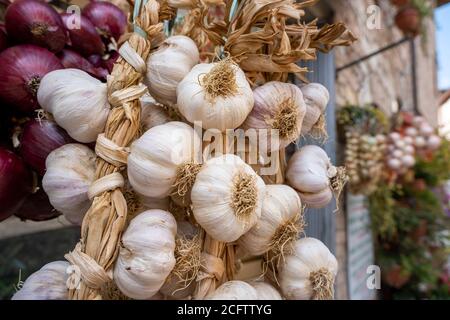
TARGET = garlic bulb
x,y
180,284
234,290
146,255
77,101
152,113
48,283
217,94
168,65
227,197
70,172
278,106
312,174
308,273
162,160
279,225
265,291
316,97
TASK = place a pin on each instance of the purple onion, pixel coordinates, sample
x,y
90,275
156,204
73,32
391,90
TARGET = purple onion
x,y
71,59
108,18
37,207
35,22
39,138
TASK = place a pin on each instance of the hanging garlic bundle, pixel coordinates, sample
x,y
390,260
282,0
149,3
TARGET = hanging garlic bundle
x,y
48,283
316,97
146,256
162,161
168,65
278,106
312,174
265,291
217,94
77,101
227,197
70,172
152,113
180,284
234,290
280,224
309,272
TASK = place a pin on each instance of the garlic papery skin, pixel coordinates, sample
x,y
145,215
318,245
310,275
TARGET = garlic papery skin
x,y
69,174
265,291
309,272
77,101
152,113
316,97
158,158
311,172
48,283
180,284
280,224
146,256
278,106
227,197
234,290
168,65
215,94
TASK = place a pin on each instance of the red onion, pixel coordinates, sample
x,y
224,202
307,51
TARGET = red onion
x,y
15,183
71,59
3,40
84,39
96,60
37,207
109,19
22,70
39,138
35,22
109,63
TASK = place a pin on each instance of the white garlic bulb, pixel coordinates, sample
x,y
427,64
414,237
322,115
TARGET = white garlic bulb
x,y
146,256
309,272
278,106
159,159
279,225
217,94
316,97
168,65
70,172
265,291
227,197
234,290
152,113
77,101
48,283
312,174
180,284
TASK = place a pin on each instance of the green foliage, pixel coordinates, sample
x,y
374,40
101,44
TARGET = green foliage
x,y
437,170
367,119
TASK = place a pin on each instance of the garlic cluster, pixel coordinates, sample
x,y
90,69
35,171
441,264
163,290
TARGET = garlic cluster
x,y
280,223
163,160
227,197
152,113
69,174
278,106
77,101
316,98
146,256
234,290
312,174
48,283
309,272
216,94
168,65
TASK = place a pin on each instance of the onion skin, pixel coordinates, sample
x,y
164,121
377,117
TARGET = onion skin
x,y
84,40
109,19
71,59
39,138
15,183
35,22
37,207
23,67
